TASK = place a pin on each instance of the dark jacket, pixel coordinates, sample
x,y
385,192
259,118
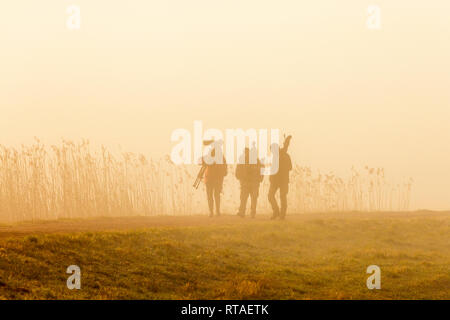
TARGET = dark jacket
x,y
285,165
215,172
249,174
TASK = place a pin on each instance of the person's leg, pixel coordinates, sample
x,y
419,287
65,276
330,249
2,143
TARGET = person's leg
x,y
209,196
284,189
244,197
217,191
273,202
254,192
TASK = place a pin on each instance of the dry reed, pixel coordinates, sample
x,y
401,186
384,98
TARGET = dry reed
x,y
71,181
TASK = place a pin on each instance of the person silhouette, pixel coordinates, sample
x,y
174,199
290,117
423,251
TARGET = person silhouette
x,y
248,172
216,170
280,180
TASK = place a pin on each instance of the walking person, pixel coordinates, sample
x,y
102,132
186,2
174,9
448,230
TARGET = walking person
x,y
280,180
215,172
250,178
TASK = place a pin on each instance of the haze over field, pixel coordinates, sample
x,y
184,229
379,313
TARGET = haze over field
x,y
317,256
138,70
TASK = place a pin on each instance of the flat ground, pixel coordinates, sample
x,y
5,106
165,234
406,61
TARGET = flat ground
x,y
314,256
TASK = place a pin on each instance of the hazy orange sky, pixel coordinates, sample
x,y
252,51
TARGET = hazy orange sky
x,y
137,70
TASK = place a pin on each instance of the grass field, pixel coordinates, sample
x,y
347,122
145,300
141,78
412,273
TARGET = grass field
x,y
320,256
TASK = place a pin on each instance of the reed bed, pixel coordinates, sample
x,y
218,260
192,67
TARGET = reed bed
x,y
74,180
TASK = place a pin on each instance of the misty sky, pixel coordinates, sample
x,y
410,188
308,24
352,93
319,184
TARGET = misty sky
x,y
137,70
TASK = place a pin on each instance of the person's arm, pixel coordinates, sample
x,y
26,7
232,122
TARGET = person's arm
x,y
225,167
289,162
259,166
238,172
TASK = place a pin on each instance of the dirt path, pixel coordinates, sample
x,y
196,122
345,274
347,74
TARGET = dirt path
x,y
136,223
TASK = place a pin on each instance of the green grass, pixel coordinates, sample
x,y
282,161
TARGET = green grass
x,y
317,258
